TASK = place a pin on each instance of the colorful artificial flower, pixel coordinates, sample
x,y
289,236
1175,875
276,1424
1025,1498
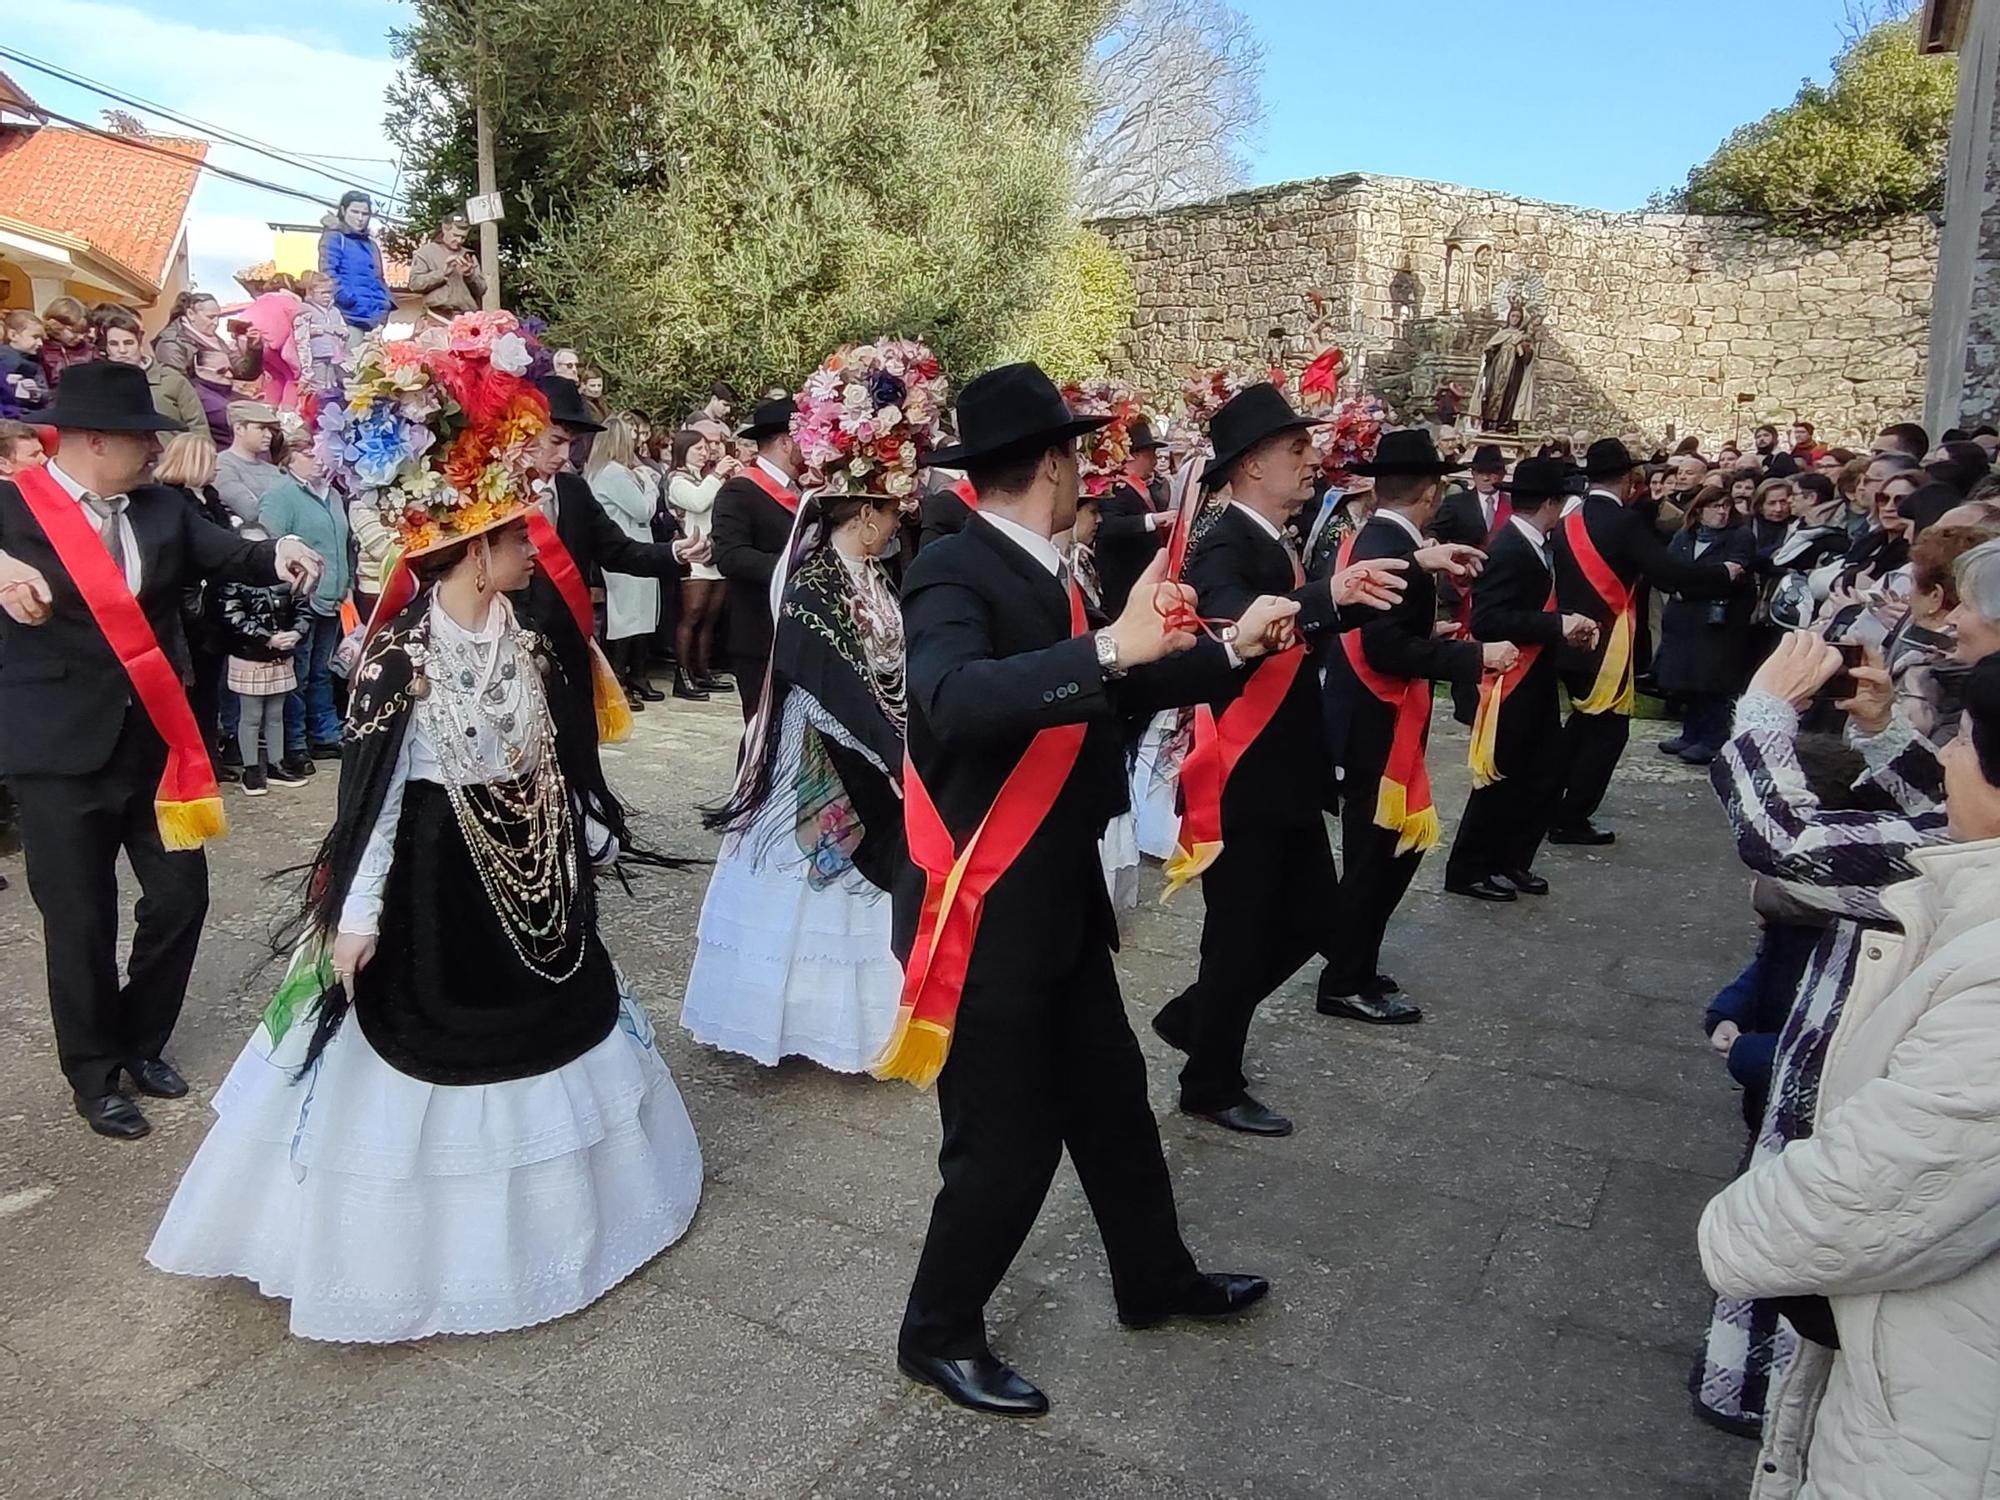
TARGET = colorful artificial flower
x,y
1203,395
868,416
1104,451
1350,434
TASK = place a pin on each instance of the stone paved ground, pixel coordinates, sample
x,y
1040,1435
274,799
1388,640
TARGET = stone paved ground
x,y
1480,1238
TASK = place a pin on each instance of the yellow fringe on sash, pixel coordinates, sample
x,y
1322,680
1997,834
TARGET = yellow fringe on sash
x,y
1613,692
1185,866
1486,736
607,695
915,1051
1414,830
189,825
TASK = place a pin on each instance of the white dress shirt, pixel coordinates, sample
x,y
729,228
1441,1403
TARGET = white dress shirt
x,y
1263,521
777,473
1489,507
1037,546
1403,521
128,539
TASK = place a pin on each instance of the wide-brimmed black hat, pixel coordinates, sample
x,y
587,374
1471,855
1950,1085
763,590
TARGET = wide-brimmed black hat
x,y
566,408
1246,419
1541,479
101,396
769,418
1488,456
1607,458
1010,410
1141,434
1410,452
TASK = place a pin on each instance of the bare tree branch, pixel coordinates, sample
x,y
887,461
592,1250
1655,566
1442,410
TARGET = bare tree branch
x,y
1176,96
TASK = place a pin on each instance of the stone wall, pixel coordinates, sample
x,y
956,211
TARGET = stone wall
x,y
1651,323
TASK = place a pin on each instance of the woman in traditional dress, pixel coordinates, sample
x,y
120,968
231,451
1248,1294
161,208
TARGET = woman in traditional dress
x,y
794,956
490,1138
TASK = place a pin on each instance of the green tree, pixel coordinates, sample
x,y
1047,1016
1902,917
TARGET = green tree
x,y
760,180
1870,145
1087,300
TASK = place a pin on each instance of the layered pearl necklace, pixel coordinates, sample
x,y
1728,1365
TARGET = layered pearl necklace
x,y
489,725
878,624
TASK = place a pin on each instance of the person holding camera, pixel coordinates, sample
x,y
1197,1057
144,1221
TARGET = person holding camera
x,y
1705,644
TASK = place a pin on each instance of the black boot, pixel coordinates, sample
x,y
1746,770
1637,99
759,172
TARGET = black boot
x,y
684,687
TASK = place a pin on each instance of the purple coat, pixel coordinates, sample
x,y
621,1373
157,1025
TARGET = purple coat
x,y
215,401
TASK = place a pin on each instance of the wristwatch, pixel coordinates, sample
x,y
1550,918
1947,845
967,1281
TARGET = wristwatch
x,y
1107,654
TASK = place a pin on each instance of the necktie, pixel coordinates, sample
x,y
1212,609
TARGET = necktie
x,y
107,511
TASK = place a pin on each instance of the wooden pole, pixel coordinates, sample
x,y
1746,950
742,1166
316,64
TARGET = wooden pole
x,y
489,231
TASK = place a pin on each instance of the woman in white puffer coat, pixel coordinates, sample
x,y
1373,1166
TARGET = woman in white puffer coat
x,y
1891,1210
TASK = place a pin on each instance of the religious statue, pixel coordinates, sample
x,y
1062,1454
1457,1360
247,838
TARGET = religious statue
x,y
1506,394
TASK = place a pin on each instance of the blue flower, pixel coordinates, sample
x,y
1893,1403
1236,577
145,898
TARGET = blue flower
x,y
886,389
377,445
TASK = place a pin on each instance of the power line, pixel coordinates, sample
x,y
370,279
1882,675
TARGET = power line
x,y
234,138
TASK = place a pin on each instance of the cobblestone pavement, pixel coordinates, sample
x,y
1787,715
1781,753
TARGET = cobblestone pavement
x,y
1480,1237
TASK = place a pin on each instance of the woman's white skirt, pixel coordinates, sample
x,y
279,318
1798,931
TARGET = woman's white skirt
x,y
1155,781
385,1208
1118,851
786,970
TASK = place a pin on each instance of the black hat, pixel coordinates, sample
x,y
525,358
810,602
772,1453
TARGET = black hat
x,y
566,408
1246,419
1607,458
1541,479
101,396
1488,456
1141,433
1011,409
1408,451
769,418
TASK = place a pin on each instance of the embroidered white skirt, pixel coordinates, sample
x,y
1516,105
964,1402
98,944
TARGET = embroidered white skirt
x,y
385,1208
1155,784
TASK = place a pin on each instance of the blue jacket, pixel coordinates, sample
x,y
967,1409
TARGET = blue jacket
x,y
354,261
290,509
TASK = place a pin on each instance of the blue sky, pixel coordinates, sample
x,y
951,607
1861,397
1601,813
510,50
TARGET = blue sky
x,y
1596,102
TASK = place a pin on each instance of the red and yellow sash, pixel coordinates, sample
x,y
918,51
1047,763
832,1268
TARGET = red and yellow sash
x,y
1613,691
607,696
783,494
966,494
1494,690
956,883
1403,798
1219,743
188,803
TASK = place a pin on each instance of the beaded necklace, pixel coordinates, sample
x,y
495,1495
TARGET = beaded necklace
x,y
516,824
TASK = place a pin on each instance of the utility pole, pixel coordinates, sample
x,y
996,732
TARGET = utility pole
x,y
489,229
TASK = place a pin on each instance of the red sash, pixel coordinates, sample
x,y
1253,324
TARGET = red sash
x,y
1403,798
607,695
188,804
1219,743
1494,690
1503,512
966,493
781,493
1613,691
956,883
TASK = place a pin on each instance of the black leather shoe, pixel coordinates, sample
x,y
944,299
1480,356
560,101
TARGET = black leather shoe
x,y
157,1078
1376,1010
1482,889
1385,984
1527,882
647,691
690,688
113,1115
325,750
1587,834
716,682
1246,1116
981,1383
1216,1294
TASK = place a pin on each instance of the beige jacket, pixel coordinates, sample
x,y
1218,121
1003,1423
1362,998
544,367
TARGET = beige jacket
x,y
1892,1211
446,292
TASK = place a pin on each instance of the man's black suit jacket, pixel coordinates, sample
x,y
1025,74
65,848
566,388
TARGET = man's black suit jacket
x,y
1632,549
1125,543
749,534
63,694
991,664
598,543
1510,600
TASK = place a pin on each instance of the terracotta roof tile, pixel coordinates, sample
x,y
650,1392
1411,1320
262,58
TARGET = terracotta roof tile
x,y
127,202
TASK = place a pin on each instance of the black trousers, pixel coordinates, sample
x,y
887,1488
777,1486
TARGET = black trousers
x,y
1270,896
1504,824
72,828
1592,744
1030,1073
748,671
1373,879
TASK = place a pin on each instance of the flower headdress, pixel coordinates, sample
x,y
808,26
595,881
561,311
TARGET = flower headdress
x,y
1207,393
869,416
1105,450
1351,434
436,426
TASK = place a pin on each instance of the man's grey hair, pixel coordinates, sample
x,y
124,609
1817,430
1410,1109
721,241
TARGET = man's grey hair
x,y
1978,575
1899,463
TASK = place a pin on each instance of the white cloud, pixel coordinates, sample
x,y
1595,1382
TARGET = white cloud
x,y
298,96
